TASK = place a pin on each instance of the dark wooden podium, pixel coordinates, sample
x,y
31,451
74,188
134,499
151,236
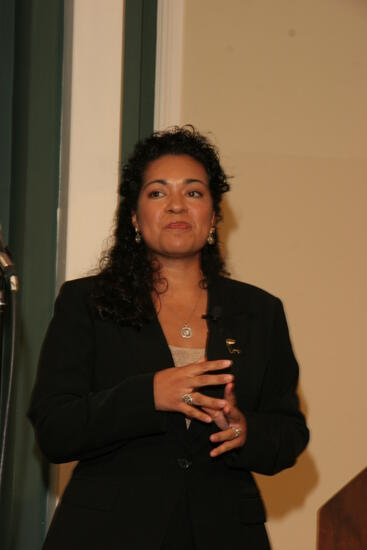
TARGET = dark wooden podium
x,y
342,520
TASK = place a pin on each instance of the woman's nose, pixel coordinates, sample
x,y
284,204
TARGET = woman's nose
x,y
176,203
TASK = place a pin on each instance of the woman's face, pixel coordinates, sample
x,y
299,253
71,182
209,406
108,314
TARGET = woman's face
x,y
175,208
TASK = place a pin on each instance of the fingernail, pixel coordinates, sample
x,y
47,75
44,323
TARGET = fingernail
x,y
229,378
227,363
208,419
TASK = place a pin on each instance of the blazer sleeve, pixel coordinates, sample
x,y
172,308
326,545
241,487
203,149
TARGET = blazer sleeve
x,y
276,430
71,421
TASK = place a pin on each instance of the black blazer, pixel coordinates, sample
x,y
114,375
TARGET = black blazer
x,y
93,402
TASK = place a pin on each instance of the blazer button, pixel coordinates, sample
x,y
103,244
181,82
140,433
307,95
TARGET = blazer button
x,y
184,463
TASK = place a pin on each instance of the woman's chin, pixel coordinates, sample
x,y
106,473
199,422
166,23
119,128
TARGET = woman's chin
x,y
177,248
178,252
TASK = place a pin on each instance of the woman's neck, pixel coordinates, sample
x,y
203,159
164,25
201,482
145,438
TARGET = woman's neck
x,y
181,275
181,303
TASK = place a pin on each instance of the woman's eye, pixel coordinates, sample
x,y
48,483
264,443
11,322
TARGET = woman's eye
x,y
155,194
194,193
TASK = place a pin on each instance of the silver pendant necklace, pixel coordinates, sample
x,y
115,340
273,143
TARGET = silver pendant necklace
x,y
186,330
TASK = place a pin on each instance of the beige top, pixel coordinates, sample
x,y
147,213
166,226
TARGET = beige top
x,y
185,356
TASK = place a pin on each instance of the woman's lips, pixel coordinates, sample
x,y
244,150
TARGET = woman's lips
x,y
178,225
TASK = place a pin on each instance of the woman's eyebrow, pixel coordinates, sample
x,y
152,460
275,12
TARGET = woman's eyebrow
x,y
195,180
165,182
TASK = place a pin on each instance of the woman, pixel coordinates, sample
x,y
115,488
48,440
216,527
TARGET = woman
x,y
165,453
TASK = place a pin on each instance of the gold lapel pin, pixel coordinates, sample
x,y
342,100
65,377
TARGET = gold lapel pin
x,y
230,342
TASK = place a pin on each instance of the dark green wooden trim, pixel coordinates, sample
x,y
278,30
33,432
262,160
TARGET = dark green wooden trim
x,y
33,225
140,32
7,14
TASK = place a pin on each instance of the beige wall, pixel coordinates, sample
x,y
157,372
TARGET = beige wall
x,y
91,130
282,86
95,119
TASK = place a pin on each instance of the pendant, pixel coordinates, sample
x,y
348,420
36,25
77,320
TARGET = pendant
x,y
186,331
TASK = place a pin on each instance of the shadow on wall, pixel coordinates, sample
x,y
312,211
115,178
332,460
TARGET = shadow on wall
x,y
226,226
289,489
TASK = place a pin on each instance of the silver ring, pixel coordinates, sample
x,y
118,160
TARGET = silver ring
x,y
187,398
237,431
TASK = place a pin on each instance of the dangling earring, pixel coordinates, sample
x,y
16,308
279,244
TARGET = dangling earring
x,y
137,236
211,236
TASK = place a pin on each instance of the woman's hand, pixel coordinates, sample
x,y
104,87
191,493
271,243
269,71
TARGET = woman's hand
x,y
231,422
218,417
170,385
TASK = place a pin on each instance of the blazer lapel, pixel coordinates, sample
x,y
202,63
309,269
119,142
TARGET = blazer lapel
x,y
157,356
228,328
154,354
228,324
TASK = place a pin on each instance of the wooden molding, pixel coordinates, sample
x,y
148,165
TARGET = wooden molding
x,y
168,82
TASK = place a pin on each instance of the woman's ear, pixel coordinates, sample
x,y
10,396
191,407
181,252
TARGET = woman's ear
x,y
134,220
214,219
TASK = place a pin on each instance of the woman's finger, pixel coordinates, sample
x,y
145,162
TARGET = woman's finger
x,y
224,448
232,438
206,366
226,435
229,394
211,380
209,402
190,411
218,417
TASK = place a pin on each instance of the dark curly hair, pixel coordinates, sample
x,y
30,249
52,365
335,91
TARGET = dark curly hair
x,y
125,282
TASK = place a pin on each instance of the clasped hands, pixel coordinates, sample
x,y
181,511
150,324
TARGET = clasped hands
x,y
173,383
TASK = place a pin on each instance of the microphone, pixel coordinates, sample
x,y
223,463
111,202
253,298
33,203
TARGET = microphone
x,y
214,315
7,266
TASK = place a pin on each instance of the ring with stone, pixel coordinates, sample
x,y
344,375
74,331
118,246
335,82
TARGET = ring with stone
x,y
237,431
187,398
